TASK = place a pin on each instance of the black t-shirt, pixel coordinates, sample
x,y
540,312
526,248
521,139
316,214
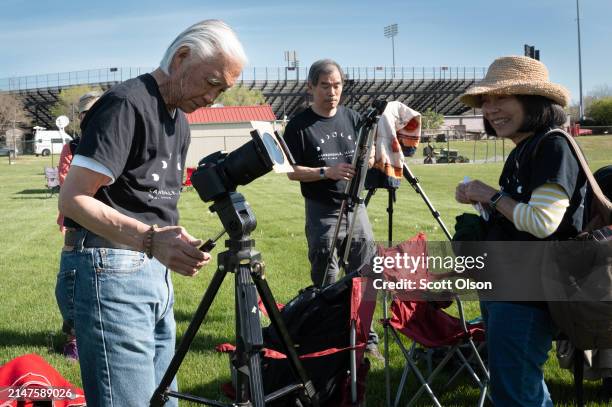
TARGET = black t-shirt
x,y
316,141
130,131
553,163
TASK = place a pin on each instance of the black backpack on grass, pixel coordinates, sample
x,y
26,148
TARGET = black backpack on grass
x,y
317,320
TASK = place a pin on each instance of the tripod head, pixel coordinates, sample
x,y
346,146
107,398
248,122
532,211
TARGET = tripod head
x,y
219,174
236,215
371,115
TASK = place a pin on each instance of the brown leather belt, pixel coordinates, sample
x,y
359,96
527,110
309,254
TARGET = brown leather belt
x,y
91,240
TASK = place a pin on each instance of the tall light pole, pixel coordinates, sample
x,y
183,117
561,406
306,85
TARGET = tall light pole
x,y
391,32
293,64
581,114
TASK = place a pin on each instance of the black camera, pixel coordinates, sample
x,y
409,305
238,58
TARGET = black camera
x,y
220,173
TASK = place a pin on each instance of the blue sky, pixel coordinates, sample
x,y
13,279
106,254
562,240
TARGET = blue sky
x,y
38,36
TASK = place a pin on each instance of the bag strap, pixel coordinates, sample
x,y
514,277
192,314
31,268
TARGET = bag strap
x,y
603,205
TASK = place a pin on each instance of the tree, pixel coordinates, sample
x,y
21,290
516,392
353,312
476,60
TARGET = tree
x,y
67,105
12,110
601,92
431,120
598,92
574,112
241,96
601,111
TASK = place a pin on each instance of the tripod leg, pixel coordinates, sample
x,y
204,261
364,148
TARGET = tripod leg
x,y
333,241
160,396
369,196
349,238
309,396
414,182
249,340
392,198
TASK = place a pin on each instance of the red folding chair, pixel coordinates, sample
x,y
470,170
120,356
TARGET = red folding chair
x,y
429,327
52,180
363,303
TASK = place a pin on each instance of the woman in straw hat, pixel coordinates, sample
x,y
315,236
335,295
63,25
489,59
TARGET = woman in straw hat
x,y
539,198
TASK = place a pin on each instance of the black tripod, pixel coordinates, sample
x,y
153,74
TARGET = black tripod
x,y
352,194
245,262
391,189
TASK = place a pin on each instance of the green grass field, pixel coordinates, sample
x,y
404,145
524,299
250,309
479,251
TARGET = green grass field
x,y
30,244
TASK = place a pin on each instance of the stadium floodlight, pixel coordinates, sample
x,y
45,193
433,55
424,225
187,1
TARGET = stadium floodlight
x,y
532,52
391,32
581,113
293,63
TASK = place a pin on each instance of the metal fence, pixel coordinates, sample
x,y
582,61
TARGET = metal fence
x,y
65,79
249,74
452,146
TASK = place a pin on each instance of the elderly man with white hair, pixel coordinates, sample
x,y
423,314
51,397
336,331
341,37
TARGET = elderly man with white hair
x,y
120,202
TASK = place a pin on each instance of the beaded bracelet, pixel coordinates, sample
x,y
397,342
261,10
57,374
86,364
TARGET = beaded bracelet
x,y
148,242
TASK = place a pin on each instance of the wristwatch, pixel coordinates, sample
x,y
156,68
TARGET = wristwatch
x,y
322,173
495,199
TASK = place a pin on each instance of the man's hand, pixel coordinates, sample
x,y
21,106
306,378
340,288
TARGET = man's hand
x,y
340,172
474,191
178,250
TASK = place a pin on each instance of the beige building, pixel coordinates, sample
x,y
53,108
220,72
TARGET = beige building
x,y
222,128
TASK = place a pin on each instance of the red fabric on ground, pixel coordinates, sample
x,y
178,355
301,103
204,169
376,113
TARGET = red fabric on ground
x,y
189,173
30,372
261,307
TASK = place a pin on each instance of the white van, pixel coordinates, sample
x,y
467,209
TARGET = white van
x,y
49,141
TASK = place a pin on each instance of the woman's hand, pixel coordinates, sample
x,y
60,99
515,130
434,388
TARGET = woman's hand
x,y
474,191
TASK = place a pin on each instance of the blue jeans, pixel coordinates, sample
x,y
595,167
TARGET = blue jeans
x,y
124,322
519,338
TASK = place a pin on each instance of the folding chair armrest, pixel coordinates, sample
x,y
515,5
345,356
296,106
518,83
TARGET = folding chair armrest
x,y
461,313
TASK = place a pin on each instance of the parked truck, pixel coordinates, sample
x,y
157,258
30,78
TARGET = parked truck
x,y
49,141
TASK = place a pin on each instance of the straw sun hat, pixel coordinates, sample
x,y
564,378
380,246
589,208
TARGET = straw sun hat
x,y
516,75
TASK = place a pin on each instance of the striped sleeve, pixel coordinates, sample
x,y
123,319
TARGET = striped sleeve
x,y
544,212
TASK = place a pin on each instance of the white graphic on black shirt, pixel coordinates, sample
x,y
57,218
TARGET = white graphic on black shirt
x,y
157,193
334,135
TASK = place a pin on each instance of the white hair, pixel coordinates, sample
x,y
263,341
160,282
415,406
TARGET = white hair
x,y
206,39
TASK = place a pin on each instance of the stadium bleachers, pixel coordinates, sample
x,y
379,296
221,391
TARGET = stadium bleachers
x,y
285,91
